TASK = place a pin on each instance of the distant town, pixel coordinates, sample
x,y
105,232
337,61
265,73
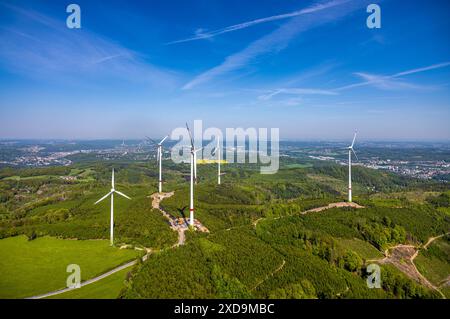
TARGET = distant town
x,y
419,160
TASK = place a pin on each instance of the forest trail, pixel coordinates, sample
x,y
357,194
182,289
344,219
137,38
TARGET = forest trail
x,y
431,239
401,256
156,200
269,275
318,209
332,205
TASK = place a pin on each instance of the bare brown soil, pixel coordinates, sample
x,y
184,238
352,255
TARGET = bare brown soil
x,y
332,205
177,224
402,257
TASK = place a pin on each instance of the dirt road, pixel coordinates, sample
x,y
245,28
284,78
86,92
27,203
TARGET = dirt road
x,y
177,224
332,205
269,275
157,198
402,257
316,210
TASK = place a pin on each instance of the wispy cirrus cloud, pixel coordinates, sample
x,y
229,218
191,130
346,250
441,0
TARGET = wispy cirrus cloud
x,y
386,83
382,82
295,91
202,34
390,82
36,45
314,16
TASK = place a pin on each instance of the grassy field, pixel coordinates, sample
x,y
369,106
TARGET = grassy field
x,y
417,196
34,267
107,288
434,263
362,248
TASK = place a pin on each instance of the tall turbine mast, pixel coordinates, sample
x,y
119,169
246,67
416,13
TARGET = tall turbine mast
x,y
218,160
350,150
111,193
193,177
216,150
159,160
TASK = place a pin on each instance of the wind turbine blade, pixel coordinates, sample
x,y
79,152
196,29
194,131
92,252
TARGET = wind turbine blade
x,y
195,166
122,194
355,154
162,141
157,155
354,138
112,179
151,140
190,135
102,198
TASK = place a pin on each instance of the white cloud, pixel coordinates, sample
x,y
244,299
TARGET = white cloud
x,y
38,46
295,91
201,34
390,82
383,82
278,39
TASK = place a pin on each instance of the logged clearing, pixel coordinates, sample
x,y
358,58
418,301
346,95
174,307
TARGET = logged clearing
x,y
333,205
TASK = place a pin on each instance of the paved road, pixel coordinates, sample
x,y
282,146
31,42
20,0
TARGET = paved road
x,y
87,282
181,239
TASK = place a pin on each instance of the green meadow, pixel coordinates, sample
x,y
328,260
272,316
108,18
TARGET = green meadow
x,y
362,248
38,266
107,288
434,262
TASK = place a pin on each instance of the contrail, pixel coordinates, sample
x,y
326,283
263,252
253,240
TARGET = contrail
x,y
311,9
397,75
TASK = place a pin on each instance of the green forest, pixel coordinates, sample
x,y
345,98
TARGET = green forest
x,y
261,243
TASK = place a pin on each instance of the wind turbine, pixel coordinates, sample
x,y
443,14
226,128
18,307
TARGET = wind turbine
x,y
217,150
113,190
193,177
159,160
350,150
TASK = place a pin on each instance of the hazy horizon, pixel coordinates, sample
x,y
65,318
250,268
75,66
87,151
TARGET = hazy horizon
x,y
137,139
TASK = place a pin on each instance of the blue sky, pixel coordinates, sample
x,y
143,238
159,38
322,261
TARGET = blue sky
x,y
311,68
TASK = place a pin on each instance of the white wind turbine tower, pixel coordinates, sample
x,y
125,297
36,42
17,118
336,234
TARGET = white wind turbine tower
x,y
193,177
350,150
217,151
113,190
159,160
